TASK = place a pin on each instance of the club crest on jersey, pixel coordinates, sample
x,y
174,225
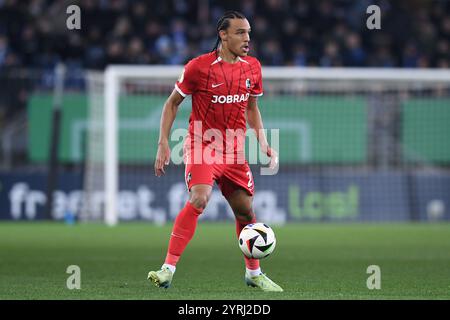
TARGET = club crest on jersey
x,y
231,98
248,83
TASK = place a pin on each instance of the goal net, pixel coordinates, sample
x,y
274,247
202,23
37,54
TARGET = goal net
x,y
354,145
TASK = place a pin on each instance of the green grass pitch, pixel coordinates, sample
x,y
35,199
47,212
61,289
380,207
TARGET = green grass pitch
x,y
311,261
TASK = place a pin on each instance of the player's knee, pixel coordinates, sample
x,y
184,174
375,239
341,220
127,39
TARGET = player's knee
x,y
244,214
199,200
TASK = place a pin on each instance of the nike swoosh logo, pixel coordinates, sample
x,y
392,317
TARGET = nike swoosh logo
x,y
216,85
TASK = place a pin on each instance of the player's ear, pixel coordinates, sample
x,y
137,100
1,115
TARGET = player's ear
x,y
223,35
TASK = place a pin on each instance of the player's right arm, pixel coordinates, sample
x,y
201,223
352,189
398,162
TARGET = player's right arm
x,y
185,85
168,116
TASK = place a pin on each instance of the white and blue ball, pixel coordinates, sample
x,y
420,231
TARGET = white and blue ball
x,y
257,240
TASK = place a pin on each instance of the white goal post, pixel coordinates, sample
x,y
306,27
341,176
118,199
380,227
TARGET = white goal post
x,y
292,78
113,76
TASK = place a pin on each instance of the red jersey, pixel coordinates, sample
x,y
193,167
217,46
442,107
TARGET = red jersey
x,y
220,93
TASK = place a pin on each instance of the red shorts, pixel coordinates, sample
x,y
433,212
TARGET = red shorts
x,y
229,176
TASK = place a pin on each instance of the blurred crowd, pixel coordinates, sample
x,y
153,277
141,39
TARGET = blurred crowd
x,y
326,33
414,33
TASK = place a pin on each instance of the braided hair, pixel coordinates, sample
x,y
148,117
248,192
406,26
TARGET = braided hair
x,y
224,23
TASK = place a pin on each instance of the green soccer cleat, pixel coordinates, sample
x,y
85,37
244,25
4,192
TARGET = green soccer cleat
x,y
161,278
263,282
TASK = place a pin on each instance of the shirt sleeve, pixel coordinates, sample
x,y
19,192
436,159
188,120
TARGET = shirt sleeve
x,y
187,82
257,89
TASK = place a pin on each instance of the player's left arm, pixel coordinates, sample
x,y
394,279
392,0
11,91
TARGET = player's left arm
x,y
255,122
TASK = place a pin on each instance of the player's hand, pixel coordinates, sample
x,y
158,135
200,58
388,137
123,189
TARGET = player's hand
x,y
273,158
162,158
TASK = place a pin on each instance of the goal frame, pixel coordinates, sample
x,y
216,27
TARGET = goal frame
x,y
114,74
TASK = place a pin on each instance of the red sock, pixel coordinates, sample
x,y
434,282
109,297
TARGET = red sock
x,y
251,264
182,232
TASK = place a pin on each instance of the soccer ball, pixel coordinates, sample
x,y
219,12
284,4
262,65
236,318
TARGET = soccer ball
x,y
257,240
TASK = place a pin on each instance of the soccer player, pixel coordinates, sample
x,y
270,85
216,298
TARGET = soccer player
x,y
224,85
